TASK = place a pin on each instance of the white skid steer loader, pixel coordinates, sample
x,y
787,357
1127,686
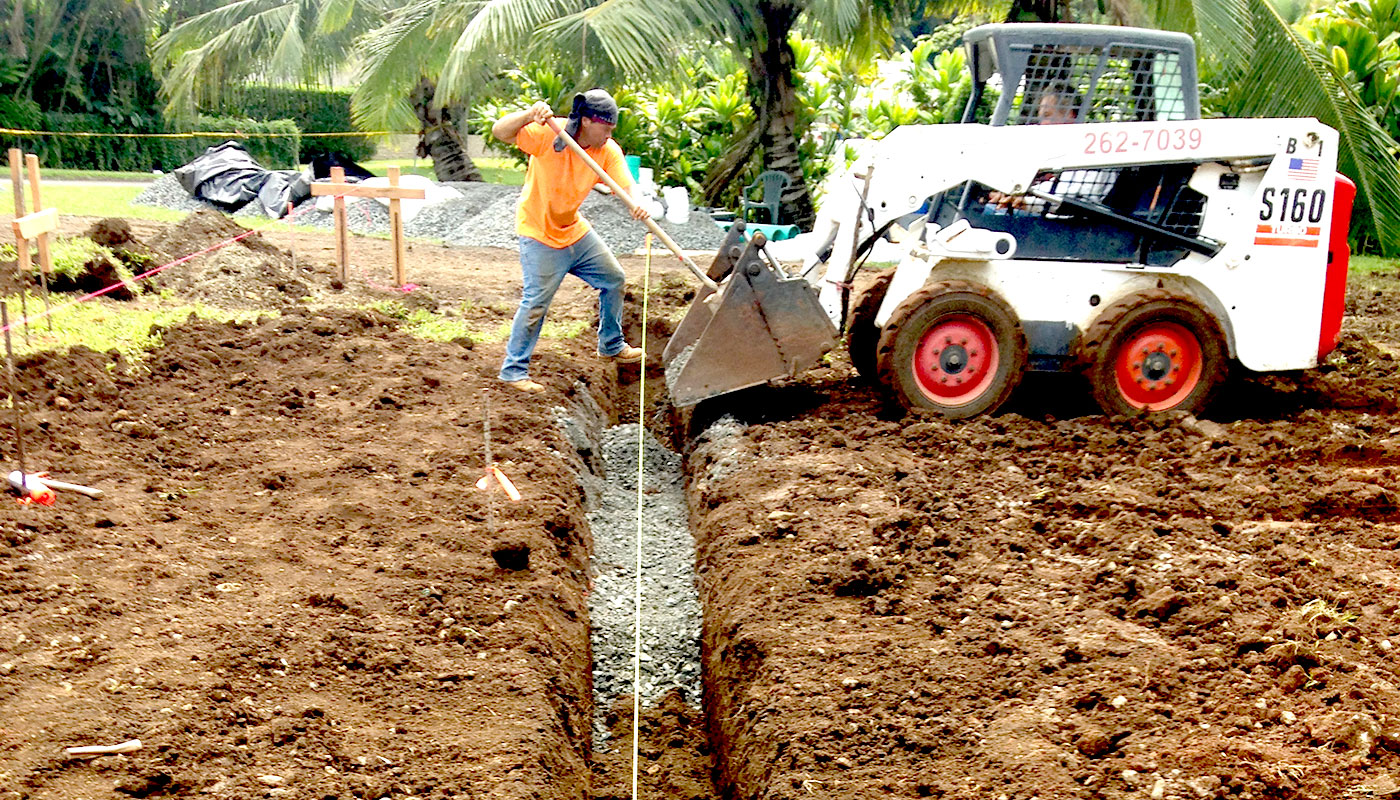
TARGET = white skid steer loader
x,y
1137,243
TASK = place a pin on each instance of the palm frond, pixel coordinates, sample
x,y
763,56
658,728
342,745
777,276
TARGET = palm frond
x,y
395,58
286,59
1292,77
497,27
837,20
199,30
234,48
1225,27
622,38
334,15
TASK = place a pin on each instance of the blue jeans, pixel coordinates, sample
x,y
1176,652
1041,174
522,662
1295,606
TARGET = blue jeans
x,y
543,268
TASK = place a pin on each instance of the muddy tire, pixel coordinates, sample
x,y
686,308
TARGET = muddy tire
x,y
1152,352
954,348
862,336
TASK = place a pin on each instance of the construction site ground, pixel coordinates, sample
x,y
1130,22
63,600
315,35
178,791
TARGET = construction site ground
x,y
292,587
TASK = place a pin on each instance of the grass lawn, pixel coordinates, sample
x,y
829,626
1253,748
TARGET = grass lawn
x,y
95,201
115,201
96,175
1372,264
103,324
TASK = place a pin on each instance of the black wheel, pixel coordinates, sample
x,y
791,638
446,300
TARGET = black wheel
x,y
954,348
862,337
1154,351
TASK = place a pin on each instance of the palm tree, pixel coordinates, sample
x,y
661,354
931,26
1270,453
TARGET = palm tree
x,y
300,41
397,87
458,43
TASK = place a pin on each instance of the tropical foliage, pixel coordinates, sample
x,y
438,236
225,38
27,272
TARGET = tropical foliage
x,y
78,56
291,41
1269,68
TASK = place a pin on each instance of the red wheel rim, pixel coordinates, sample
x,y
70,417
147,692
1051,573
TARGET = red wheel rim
x,y
1158,366
956,360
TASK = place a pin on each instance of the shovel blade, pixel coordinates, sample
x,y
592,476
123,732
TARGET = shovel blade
x,y
762,325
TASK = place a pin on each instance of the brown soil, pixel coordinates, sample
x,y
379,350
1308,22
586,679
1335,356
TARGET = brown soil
x,y
1026,607
292,588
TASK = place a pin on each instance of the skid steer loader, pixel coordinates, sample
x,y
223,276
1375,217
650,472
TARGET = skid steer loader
x,y
1138,243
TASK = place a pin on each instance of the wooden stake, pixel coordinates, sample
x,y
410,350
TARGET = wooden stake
x,y
17,183
342,235
45,261
293,235
396,228
14,397
340,190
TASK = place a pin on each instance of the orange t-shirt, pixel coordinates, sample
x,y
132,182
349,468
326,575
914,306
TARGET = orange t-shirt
x,y
556,184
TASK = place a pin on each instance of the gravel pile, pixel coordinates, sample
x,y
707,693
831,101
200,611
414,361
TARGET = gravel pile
x,y
670,654
483,217
167,192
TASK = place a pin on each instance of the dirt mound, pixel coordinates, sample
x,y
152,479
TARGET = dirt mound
x,y
116,235
290,583
248,273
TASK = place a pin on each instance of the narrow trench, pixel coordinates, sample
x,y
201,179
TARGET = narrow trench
x,y
674,755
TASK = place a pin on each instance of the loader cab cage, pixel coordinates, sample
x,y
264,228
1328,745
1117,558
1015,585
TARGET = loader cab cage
x,y
1101,73
1145,215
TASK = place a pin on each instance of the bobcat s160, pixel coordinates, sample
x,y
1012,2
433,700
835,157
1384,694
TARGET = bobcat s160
x,y
1136,242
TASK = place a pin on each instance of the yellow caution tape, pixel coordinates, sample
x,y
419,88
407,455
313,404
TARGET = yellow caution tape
x,y
195,134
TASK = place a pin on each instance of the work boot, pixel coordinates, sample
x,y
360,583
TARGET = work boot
x,y
627,355
525,385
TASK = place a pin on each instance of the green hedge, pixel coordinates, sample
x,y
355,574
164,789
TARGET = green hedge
x,y
132,154
20,113
313,110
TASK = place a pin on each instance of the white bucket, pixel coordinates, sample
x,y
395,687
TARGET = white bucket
x,y
677,204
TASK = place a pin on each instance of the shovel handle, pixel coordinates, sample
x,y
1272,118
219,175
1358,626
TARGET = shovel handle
x,y
631,204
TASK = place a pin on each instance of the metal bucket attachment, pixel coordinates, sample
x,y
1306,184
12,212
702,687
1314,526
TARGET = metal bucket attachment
x,y
761,325
698,316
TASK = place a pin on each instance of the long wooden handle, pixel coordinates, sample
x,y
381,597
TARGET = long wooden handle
x,y
627,200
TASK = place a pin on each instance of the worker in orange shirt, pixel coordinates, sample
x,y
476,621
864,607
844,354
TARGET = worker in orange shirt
x,y
554,239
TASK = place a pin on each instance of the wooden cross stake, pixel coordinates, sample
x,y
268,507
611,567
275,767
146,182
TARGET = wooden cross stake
x,y
341,190
36,225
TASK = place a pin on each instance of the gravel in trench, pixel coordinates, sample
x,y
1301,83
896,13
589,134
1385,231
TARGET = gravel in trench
x,y
670,602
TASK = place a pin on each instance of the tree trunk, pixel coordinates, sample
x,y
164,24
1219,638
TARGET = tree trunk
x,y
774,100
16,48
441,138
775,97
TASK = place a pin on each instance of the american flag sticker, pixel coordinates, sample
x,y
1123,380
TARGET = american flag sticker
x,y
1302,169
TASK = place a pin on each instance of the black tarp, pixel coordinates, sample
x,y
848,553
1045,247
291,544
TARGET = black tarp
x,y
228,177
321,167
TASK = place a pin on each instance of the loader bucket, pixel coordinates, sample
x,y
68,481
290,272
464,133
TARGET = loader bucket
x,y
761,325
698,316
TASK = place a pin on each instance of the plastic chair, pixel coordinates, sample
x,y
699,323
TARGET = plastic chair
x,y
773,183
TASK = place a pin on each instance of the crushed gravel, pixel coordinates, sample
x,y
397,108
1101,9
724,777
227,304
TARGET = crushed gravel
x,y
670,616
166,192
483,217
